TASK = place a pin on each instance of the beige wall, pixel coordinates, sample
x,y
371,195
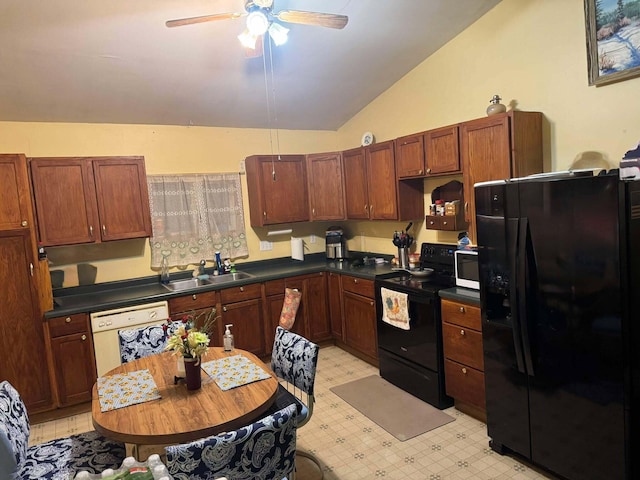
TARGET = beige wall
x,y
531,52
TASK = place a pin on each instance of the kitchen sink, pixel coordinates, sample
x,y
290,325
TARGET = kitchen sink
x,y
191,283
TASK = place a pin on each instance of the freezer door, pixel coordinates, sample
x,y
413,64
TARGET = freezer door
x,y
497,223
573,320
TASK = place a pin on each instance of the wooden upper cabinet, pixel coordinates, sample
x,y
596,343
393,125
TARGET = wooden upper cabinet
x,y
355,180
410,156
442,150
497,147
277,189
90,199
381,177
15,207
326,186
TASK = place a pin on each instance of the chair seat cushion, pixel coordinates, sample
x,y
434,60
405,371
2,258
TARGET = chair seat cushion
x,y
63,458
284,398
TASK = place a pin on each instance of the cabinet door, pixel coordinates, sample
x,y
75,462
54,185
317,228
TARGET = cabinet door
x,y
335,304
360,323
277,189
410,156
64,195
14,184
74,366
381,176
301,325
248,327
442,150
326,186
485,156
123,198
355,180
317,311
274,308
24,359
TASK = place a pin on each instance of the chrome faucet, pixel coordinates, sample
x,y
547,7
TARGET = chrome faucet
x,y
201,267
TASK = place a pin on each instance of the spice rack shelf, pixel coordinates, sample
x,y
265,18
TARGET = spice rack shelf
x,y
448,192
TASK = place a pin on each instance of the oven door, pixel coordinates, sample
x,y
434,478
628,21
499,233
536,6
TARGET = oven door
x,y
420,343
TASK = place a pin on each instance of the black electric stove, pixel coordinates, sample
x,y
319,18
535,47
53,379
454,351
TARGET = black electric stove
x,y
412,359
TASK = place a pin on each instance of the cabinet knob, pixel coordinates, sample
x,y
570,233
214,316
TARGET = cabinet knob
x,y
90,231
462,310
104,229
366,212
264,214
83,337
444,223
371,304
428,170
462,332
431,222
224,309
67,320
242,289
313,211
464,370
420,172
24,223
355,280
194,296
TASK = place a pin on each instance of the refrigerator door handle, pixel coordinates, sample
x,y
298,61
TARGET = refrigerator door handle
x,y
515,314
523,236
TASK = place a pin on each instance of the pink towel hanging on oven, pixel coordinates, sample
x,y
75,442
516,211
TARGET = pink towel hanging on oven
x,y
394,308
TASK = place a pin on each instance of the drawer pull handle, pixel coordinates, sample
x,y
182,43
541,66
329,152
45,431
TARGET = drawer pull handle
x,y
83,337
462,310
462,332
67,320
242,289
224,309
355,280
464,370
194,296
24,223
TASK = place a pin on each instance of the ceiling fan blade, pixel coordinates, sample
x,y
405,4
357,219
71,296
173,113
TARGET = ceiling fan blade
x,y
205,18
313,18
255,52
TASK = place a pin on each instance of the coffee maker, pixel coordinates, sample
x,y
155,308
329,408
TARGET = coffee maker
x,y
336,244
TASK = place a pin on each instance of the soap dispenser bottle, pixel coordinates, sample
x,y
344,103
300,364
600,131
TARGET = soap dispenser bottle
x,y
164,271
228,339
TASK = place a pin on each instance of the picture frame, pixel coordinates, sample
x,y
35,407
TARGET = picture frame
x,y
613,40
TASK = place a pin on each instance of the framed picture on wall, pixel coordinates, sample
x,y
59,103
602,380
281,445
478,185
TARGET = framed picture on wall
x,y
613,40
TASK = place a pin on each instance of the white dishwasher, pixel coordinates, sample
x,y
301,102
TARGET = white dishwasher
x,y
105,326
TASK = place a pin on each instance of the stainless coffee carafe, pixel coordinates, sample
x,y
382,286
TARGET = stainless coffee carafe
x,y
336,247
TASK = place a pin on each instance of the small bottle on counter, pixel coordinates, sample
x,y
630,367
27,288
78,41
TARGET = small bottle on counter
x,y
227,340
219,266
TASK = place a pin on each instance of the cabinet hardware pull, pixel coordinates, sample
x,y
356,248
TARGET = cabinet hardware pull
x,y
67,320
466,207
313,211
428,170
420,172
194,296
104,229
464,370
462,332
264,214
242,289
371,210
462,310
90,231
83,337
224,309
444,223
431,222
355,280
371,304
31,269
365,210
24,223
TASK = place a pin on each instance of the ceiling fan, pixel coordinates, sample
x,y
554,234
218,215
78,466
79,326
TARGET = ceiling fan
x,y
261,19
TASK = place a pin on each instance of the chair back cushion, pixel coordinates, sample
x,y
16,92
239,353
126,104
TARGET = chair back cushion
x,y
14,431
265,450
294,359
137,343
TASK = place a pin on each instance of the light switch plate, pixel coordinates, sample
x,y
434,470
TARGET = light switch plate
x,y
264,246
312,238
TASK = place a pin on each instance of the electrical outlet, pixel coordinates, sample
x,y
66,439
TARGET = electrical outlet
x,y
312,238
242,167
264,246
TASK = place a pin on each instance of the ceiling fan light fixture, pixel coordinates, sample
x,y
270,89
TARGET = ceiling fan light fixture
x,y
257,23
278,33
247,39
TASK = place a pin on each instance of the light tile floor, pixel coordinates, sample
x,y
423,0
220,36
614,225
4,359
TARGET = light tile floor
x,y
351,447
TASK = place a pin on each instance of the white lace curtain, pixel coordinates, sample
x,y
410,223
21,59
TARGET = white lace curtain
x,y
193,216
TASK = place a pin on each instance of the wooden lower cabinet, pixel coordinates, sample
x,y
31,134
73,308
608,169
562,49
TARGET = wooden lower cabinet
x,y
242,307
334,297
196,304
464,361
72,358
359,310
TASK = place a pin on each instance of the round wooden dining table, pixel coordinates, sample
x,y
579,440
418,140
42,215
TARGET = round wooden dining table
x,y
182,415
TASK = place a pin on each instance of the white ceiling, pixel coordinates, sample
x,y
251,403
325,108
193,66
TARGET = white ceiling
x,y
115,61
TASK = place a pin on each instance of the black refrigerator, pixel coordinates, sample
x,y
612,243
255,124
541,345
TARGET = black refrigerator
x,y
560,296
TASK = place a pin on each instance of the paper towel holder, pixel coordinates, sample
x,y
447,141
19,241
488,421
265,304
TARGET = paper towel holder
x,y
297,248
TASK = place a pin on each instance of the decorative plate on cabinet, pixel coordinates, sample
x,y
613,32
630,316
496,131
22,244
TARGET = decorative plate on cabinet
x,y
367,139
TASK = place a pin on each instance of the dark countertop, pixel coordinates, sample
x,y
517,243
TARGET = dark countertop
x,y
124,293
461,294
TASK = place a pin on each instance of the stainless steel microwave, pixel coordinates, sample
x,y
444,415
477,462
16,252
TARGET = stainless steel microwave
x,y
466,267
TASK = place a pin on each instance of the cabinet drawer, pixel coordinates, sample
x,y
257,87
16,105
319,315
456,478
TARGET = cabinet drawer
x,y
192,302
61,326
467,316
465,384
274,287
463,345
238,294
361,286
445,222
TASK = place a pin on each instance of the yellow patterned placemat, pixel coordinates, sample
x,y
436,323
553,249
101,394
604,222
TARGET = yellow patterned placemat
x,y
234,371
124,389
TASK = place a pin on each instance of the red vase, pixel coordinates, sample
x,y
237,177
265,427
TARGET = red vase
x,y
192,373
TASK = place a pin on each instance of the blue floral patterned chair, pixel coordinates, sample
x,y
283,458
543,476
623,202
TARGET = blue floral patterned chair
x,y
264,450
294,360
137,343
55,460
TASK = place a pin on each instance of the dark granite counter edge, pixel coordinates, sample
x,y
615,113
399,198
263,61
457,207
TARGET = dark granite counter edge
x,y
461,294
124,293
